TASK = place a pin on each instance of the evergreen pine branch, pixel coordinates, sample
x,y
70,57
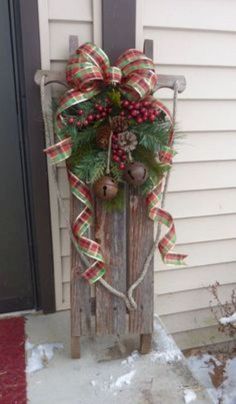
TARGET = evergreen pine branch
x,y
116,173
82,137
147,186
152,136
147,157
91,166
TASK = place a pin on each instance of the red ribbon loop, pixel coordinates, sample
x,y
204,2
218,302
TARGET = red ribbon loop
x,y
89,68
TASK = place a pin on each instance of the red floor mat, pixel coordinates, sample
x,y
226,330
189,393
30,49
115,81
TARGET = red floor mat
x,y
12,361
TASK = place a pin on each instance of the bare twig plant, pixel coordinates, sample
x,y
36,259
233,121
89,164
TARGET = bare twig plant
x,y
223,310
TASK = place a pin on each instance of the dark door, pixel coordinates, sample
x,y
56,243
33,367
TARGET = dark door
x,y
16,265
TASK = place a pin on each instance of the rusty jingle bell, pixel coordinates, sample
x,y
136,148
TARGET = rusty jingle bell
x,y
136,173
106,188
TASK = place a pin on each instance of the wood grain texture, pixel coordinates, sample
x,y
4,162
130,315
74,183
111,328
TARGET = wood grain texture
x,y
139,243
145,343
110,231
80,289
75,347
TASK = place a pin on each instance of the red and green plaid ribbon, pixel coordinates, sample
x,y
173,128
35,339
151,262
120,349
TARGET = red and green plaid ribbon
x,y
81,224
89,69
92,249
60,151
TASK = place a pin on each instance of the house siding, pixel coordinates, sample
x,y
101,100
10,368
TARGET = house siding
x,y
195,38
58,19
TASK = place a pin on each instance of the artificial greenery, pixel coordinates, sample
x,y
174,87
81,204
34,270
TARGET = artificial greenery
x,y
89,162
154,136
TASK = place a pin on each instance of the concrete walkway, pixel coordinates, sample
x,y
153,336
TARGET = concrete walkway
x,y
110,371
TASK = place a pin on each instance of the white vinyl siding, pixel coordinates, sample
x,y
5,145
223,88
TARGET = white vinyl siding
x,y
196,38
58,19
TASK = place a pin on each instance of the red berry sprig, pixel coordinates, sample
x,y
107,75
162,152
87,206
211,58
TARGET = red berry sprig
x,y
100,112
140,111
118,154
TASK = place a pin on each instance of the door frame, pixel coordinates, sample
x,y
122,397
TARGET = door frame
x,y
26,25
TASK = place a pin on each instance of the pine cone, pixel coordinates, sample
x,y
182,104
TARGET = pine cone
x,y
127,141
103,135
119,124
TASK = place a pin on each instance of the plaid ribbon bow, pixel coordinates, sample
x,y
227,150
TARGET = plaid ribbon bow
x,y
89,69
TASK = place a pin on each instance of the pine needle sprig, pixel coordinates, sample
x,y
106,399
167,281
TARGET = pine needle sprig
x,y
156,169
91,166
147,186
154,136
80,138
116,173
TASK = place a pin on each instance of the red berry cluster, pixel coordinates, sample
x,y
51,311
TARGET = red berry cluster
x,y
118,154
100,112
140,111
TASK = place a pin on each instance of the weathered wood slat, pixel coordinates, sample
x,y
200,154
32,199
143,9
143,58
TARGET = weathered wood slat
x,y
75,347
145,343
140,240
110,231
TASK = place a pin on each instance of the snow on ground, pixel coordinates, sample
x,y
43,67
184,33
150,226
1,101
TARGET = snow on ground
x,y
99,377
228,320
165,349
39,355
131,359
123,380
217,376
189,396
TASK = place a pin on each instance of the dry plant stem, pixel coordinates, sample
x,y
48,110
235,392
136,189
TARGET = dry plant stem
x,y
221,309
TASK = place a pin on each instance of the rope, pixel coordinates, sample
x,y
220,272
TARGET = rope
x,y
49,142
156,240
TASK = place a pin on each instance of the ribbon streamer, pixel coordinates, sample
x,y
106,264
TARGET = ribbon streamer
x,y
153,199
60,151
81,224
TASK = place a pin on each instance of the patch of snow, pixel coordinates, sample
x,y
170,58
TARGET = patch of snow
x,y
165,348
28,345
229,385
93,383
123,380
201,369
40,356
131,359
189,396
228,320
